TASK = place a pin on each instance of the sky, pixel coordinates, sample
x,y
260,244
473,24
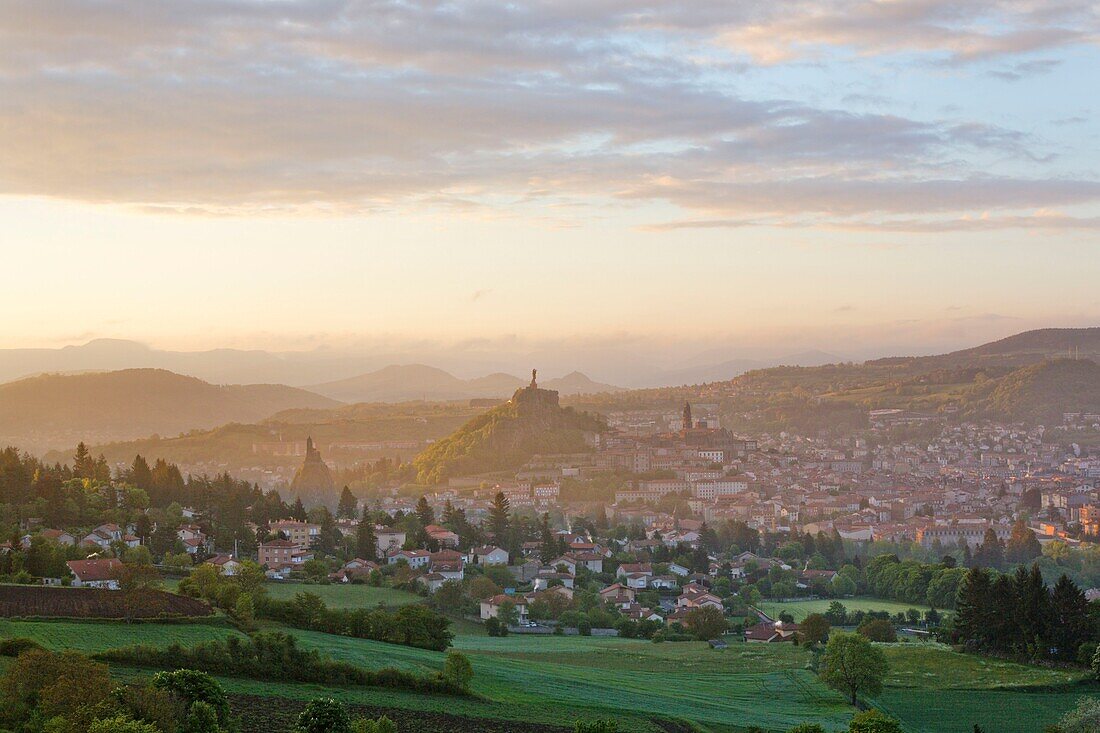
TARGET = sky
x,y
687,176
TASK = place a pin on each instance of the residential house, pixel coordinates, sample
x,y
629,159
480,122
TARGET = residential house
x,y
95,573
488,555
490,607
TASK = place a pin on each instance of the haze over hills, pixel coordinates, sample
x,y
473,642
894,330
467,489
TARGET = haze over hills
x,y
420,382
324,366
56,411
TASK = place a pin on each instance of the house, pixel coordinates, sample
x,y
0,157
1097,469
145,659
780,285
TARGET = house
x,y
448,564
302,534
591,560
100,538
771,633
414,558
442,535
490,607
544,579
636,580
61,537
190,532
663,582
95,573
433,581
618,595
354,569
226,564
679,570
489,555
565,562
641,568
388,539
193,545
282,555
695,596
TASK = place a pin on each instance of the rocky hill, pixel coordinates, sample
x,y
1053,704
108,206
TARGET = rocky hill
x,y
507,436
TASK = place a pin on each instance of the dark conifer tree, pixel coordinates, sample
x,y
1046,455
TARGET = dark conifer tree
x,y
1069,623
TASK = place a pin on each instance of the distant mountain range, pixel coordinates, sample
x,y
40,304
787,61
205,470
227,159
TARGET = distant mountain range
x,y
1029,347
57,411
324,367
420,382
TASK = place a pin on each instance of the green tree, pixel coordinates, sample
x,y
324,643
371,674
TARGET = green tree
x,y
201,718
192,686
878,629
381,725
1022,546
872,721
323,715
974,614
500,518
457,669
345,509
121,724
1069,622
853,666
424,512
366,541
705,623
814,628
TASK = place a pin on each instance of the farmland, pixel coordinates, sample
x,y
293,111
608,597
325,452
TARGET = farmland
x,y
801,609
37,601
345,596
544,683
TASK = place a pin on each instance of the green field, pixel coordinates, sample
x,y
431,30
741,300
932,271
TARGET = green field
x,y
345,596
802,609
335,595
556,680
93,637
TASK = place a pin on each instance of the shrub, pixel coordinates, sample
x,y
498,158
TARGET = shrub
x,y
121,724
457,670
16,646
872,721
382,725
596,726
878,630
807,728
202,718
193,686
323,715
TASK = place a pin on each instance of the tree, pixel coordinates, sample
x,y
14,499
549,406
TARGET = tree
x,y
83,463
201,718
121,724
323,715
449,596
1069,623
1022,546
345,509
138,585
595,726
192,686
853,666
457,670
974,615
872,721
878,629
807,728
381,725
705,622
814,629
424,512
366,541
66,684
991,552
141,475
298,511
500,518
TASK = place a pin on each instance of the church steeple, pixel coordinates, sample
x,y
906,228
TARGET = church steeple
x,y
688,424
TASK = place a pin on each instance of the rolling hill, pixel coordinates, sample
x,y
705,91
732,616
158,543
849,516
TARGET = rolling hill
x,y
56,411
402,383
507,436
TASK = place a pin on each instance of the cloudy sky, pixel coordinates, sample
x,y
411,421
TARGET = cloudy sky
x,y
862,177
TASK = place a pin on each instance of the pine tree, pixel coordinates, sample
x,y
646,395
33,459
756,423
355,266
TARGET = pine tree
x,y
366,542
499,518
1032,610
1023,546
424,512
298,511
140,474
1004,631
345,509
548,546
83,463
991,553
973,610
1069,625
329,537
